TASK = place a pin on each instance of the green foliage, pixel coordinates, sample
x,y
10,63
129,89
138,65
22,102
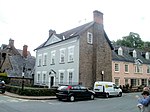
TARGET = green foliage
x,y
133,40
31,91
3,74
147,46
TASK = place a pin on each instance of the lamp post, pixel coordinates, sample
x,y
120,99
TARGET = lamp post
x,y
23,77
102,73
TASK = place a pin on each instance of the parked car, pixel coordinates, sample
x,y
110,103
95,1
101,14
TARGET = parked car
x,y
2,87
102,88
74,92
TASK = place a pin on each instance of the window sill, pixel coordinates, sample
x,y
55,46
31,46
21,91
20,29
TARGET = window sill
x,y
70,61
61,62
126,72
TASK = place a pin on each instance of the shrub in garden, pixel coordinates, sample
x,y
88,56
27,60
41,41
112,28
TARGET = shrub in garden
x,y
28,91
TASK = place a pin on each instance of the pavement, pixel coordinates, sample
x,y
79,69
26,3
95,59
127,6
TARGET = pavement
x,y
29,97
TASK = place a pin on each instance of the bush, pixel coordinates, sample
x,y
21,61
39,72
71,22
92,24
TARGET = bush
x,y
31,91
3,76
125,88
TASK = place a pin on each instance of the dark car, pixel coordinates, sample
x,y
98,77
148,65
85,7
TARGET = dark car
x,y
2,87
74,92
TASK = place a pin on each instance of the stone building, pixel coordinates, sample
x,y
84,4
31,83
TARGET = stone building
x,y
12,62
81,55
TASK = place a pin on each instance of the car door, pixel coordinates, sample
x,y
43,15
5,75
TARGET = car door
x,y
84,92
77,92
115,89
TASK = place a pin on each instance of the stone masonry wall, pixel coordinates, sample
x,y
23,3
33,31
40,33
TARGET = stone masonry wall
x,y
103,54
95,58
86,60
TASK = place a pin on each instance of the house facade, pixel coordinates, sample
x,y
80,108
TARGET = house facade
x,y
81,55
13,61
130,66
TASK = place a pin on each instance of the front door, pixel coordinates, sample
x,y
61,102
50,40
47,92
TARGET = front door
x,y
52,81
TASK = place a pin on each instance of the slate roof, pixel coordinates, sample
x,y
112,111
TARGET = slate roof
x,y
18,62
127,57
10,49
74,33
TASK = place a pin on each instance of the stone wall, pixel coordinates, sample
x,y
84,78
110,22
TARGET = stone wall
x,y
94,58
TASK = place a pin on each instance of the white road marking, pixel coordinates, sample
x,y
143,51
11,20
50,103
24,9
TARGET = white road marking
x,y
23,100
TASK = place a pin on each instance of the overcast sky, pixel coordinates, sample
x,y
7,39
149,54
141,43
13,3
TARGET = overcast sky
x,y
28,21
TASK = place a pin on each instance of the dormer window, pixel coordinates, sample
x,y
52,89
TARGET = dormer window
x,y
147,55
120,52
134,54
64,37
89,38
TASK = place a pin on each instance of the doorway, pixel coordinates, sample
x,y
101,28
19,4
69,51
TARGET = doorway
x,y
51,81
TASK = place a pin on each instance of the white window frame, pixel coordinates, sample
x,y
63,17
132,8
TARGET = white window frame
x,y
147,55
71,53
120,51
143,81
53,54
38,77
133,82
62,55
117,81
70,81
89,38
134,54
45,59
126,65
61,72
117,69
138,69
44,78
39,60
148,69
126,81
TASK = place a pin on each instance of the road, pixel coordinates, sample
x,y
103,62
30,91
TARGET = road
x,y
126,103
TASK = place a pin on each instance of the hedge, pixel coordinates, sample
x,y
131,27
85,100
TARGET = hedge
x,y
29,91
3,74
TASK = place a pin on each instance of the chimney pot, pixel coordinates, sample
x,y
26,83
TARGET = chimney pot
x,y
98,17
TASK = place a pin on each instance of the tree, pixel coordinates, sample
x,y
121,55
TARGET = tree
x,y
147,46
132,40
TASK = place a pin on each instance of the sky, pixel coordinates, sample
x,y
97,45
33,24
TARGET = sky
x,y
27,22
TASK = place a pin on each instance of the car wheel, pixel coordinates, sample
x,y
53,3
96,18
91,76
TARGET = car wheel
x,y
120,94
72,98
3,91
107,95
92,97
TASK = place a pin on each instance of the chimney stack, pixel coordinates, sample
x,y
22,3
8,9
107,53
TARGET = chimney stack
x,y
11,42
25,51
98,17
52,32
